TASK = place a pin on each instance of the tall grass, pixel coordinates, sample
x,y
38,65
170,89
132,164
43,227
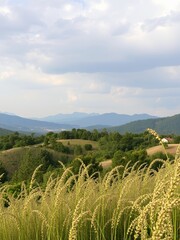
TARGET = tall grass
x,y
138,204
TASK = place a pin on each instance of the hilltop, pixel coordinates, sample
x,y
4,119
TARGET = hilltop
x,y
166,125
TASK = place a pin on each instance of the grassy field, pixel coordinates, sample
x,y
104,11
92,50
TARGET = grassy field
x,y
130,206
170,149
106,164
81,142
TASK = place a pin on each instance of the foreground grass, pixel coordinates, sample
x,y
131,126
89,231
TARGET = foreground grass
x,y
128,204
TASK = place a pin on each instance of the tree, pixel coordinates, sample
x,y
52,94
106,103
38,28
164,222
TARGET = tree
x,y
119,159
31,160
88,147
77,150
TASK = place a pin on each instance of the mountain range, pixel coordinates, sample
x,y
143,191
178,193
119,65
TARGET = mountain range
x,y
84,120
67,121
122,123
20,124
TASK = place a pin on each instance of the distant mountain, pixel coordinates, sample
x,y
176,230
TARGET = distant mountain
x,y
67,121
66,118
166,125
85,120
16,123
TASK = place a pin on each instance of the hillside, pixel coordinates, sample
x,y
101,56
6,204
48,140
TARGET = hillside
x,y
167,125
11,159
4,132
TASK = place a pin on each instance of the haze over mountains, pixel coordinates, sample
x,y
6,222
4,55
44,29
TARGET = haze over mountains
x,y
95,119
67,121
16,123
122,123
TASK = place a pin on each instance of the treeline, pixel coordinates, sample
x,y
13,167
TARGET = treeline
x,y
145,139
109,142
19,140
124,142
121,149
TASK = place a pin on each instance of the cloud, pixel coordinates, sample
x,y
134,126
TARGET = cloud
x,y
16,20
95,55
163,21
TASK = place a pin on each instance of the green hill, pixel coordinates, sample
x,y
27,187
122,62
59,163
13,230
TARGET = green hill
x,y
166,125
4,132
13,159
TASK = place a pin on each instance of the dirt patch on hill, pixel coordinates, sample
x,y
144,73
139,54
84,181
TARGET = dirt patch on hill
x,y
170,149
106,164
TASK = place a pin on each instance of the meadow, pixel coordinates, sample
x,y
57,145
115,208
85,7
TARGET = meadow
x,y
131,202
82,142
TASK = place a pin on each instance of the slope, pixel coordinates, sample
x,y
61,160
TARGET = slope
x,y
4,132
166,125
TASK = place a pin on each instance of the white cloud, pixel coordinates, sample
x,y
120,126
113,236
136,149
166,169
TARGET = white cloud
x,y
96,55
5,11
72,97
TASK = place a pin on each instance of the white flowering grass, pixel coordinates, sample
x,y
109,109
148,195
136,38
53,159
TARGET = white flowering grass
x,y
140,204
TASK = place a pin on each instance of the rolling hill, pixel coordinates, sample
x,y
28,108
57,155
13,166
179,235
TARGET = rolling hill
x,y
166,125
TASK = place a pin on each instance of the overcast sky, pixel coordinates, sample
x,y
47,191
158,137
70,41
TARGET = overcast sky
x,y
62,56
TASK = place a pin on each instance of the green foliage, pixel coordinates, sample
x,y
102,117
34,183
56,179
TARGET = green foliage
x,y
59,147
4,132
88,147
177,139
138,157
31,160
114,146
119,159
78,150
18,140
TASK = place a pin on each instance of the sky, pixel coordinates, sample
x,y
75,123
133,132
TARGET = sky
x,y
64,56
